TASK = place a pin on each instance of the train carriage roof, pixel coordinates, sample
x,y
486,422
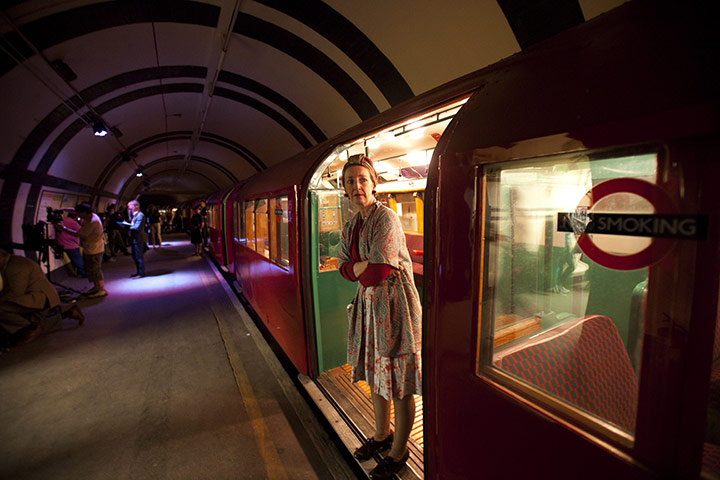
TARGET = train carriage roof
x,y
588,76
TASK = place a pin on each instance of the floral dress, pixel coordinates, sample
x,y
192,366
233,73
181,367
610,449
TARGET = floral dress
x,y
385,316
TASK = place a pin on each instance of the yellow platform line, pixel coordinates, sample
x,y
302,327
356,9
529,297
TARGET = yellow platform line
x,y
268,451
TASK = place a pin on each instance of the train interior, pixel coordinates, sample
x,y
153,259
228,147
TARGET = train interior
x,y
401,154
543,294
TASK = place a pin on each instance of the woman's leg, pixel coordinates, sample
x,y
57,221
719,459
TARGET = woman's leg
x,y
381,409
404,418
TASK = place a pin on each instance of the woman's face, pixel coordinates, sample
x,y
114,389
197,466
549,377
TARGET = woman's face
x,y
359,185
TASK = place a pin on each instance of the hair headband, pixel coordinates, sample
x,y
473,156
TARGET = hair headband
x,y
363,161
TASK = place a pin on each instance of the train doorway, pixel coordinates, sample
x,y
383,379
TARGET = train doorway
x,y
401,154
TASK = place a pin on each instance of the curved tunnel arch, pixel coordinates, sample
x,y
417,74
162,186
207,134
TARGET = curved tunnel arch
x,y
48,125
223,142
129,182
43,33
326,21
96,17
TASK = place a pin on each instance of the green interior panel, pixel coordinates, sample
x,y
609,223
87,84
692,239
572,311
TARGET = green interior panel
x,y
331,295
611,294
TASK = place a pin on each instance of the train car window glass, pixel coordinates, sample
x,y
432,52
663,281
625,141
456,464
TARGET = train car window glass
x,y
283,231
211,216
408,206
261,228
272,230
279,240
250,224
330,222
566,324
239,222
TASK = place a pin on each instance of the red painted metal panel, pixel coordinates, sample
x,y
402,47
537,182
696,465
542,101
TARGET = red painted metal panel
x,y
584,87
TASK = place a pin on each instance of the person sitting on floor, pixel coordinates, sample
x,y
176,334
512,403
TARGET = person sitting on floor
x,y
25,297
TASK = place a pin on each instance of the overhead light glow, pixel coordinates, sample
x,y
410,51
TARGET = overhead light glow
x,y
417,158
99,129
417,134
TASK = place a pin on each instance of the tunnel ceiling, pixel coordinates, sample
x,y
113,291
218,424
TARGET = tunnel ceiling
x,y
202,94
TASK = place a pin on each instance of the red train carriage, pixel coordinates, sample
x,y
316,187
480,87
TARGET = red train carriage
x,y
557,340
265,238
220,227
570,315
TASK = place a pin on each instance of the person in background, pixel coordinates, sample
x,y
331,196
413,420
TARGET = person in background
x,y
138,237
204,228
93,245
115,232
385,317
25,296
155,226
70,244
167,222
196,225
123,216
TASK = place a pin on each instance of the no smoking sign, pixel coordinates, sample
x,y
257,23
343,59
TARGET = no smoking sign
x,y
664,227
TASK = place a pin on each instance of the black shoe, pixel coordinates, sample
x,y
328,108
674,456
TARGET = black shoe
x,y
77,314
135,275
387,468
372,446
30,334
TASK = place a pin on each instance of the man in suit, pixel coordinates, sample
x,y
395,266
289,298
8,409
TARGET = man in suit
x,y
25,296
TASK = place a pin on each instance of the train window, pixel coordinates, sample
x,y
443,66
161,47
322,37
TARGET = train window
x,y
408,206
211,220
261,228
330,222
239,222
250,224
279,235
561,325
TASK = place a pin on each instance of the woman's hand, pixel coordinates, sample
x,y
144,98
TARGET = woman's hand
x,y
359,268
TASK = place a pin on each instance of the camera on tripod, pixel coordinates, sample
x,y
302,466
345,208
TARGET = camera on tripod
x,y
54,216
35,237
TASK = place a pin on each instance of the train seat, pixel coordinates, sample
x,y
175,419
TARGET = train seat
x,y
584,362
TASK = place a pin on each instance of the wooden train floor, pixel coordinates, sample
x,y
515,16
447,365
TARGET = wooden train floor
x,y
355,401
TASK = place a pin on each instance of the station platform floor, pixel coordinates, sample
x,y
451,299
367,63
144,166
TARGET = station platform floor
x,y
168,378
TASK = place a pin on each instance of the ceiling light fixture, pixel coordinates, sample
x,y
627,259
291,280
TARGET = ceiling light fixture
x,y
139,172
99,129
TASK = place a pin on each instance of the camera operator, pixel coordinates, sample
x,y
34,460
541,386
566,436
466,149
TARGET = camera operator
x,y
70,243
91,240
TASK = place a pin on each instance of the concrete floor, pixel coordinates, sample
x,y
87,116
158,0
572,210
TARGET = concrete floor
x,y
167,379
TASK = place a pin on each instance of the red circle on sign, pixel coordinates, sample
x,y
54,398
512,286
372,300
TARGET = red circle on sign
x,y
658,248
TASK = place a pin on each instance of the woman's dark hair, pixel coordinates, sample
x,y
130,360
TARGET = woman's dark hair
x,y
83,208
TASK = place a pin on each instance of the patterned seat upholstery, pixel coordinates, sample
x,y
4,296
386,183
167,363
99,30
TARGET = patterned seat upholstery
x,y
583,362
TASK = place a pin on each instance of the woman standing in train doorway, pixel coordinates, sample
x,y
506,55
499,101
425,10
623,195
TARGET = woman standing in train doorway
x,y
384,335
